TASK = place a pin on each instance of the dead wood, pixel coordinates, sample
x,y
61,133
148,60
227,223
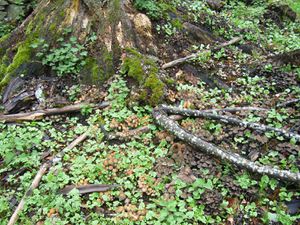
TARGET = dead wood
x,y
230,109
19,102
192,56
39,114
89,188
234,109
229,120
35,183
288,103
292,58
162,119
199,34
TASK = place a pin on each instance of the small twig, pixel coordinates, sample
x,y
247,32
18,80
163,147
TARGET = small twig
x,y
40,173
195,55
39,114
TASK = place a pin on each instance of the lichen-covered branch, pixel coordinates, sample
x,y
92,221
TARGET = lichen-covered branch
x,y
161,117
229,120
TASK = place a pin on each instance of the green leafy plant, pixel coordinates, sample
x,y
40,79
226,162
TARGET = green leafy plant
x,y
245,181
67,59
151,7
213,127
5,29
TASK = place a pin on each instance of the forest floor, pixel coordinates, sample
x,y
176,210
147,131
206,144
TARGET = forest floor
x,y
153,177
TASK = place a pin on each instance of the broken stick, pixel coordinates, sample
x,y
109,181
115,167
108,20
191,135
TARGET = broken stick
x,y
195,55
39,114
41,172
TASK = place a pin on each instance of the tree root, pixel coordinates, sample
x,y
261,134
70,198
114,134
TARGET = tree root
x,y
161,117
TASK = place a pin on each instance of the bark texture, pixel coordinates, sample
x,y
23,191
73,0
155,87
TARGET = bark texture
x,y
160,115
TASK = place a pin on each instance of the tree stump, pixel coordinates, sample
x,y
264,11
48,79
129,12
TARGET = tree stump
x,y
115,24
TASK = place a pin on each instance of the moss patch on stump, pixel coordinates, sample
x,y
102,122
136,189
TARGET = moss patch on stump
x,y
144,71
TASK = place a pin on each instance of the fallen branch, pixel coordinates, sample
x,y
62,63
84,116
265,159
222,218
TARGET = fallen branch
x,y
230,109
41,172
228,120
161,117
39,114
235,109
195,55
89,188
288,103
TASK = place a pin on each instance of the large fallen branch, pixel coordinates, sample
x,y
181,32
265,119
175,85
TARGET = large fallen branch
x,y
35,183
230,109
39,114
195,55
228,120
160,115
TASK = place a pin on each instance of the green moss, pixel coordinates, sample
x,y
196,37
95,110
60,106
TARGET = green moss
x,y
132,65
115,12
170,81
156,87
177,23
145,71
35,26
93,71
52,27
92,68
4,38
22,56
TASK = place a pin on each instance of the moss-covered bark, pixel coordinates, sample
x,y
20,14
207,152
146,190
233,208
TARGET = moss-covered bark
x,y
145,71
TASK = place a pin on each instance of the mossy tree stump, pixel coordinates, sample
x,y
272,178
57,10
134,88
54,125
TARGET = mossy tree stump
x,y
115,23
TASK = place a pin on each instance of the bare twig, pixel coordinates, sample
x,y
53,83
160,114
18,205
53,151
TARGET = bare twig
x,y
192,56
160,116
39,114
40,173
